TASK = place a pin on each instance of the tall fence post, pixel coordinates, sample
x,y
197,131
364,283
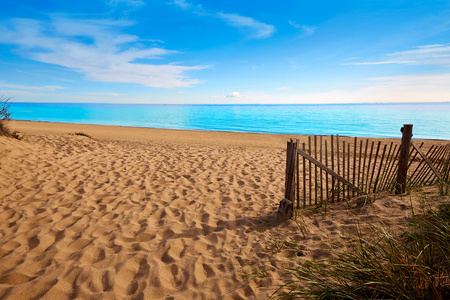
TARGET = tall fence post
x,y
403,157
286,207
291,167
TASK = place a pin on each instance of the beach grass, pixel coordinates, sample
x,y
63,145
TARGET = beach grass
x,y
5,115
381,263
80,133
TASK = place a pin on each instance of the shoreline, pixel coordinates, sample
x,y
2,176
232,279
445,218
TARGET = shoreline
x,y
203,137
128,133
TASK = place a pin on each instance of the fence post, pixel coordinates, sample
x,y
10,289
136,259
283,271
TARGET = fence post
x,y
291,166
403,157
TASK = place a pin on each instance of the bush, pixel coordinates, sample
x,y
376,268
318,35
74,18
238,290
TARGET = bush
x,y
5,115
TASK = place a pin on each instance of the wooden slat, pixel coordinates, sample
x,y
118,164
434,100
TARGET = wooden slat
x,y
379,170
326,174
367,189
310,172
331,172
427,161
343,168
338,168
321,174
354,162
358,182
332,167
348,169
374,165
315,171
304,177
364,166
297,167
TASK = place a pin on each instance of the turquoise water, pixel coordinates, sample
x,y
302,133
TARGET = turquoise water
x,y
430,120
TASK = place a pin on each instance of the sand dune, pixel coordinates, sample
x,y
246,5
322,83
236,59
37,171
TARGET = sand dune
x,y
149,214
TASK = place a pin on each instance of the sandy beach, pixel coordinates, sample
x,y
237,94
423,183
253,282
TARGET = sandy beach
x,y
153,214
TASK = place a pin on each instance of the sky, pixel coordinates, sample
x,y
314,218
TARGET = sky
x,y
225,52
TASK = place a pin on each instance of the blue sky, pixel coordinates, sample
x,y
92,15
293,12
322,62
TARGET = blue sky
x,y
215,52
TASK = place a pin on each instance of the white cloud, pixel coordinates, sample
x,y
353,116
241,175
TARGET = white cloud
x,y
234,95
283,88
230,95
436,54
255,29
304,29
97,49
183,4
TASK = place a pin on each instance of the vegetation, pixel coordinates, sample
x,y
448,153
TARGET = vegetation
x,y
5,116
80,133
380,264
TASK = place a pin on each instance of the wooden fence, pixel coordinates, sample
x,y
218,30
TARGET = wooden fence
x,y
330,169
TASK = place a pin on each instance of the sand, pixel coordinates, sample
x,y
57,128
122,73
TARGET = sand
x,y
153,214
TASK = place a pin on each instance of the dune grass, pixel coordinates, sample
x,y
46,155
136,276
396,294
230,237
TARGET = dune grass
x,y
5,115
381,264
80,133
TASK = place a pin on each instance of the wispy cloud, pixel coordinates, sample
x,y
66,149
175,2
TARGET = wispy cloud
x,y
386,62
34,88
253,28
196,8
105,94
132,3
97,49
294,64
436,54
303,29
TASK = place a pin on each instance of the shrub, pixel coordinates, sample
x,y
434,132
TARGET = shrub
x,y
5,115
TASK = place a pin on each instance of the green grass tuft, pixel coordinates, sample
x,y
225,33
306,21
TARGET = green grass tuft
x,y
380,264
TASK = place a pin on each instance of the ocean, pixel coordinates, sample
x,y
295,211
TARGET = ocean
x,y
430,120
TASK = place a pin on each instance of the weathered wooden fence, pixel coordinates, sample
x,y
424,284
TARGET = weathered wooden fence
x,y
330,169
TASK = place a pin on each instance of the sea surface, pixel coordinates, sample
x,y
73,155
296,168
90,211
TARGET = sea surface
x,y
430,120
